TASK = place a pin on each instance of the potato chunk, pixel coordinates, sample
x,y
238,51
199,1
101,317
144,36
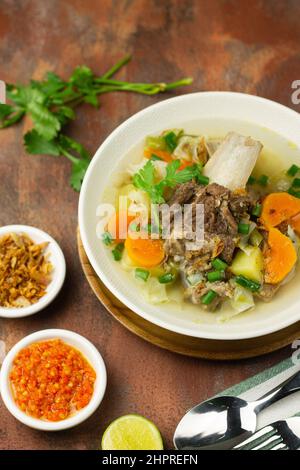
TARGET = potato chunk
x,y
249,265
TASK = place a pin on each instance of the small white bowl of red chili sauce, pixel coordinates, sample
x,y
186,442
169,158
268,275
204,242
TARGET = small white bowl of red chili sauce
x,y
53,380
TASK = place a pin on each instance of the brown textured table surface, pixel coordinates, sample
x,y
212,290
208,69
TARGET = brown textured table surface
x,y
224,45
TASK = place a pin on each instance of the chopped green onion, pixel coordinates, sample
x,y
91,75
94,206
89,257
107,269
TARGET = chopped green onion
x,y
293,170
155,142
207,298
247,283
296,183
214,276
257,210
107,238
251,180
201,179
219,265
243,228
118,251
142,274
293,192
256,238
166,278
155,157
171,141
263,180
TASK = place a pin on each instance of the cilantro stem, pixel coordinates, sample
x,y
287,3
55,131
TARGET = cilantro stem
x,y
69,156
117,67
74,101
143,88
108,86
178,83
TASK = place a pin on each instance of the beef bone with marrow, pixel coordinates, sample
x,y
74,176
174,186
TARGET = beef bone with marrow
x,y
233,161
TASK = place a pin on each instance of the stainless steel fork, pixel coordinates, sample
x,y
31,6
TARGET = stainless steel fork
x,y
282,435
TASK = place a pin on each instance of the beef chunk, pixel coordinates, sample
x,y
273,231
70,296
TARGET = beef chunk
x,y
184,193
199,257
217,215
240,204
222,211
229,245
226,223
213,192
209,213
195,293
217,191
218,218
174,247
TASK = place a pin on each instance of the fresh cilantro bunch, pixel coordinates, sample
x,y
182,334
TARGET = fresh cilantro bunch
x,y
145,179
50,104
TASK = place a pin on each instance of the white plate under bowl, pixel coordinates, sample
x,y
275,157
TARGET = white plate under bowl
x,y
56,257
213,114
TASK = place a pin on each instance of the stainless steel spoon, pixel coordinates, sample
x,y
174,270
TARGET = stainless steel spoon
x,y
223,422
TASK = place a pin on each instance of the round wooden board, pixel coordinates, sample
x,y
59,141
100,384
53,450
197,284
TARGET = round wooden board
x,y
186,345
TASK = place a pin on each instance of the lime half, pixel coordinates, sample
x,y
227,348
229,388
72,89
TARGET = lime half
x,y
132,432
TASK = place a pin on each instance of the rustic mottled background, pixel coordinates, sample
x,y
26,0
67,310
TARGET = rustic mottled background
x,y
238,45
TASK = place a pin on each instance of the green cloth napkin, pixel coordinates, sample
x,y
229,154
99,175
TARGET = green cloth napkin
x,y
257,386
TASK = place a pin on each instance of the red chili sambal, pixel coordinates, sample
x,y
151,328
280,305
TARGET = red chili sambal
x,y
51,380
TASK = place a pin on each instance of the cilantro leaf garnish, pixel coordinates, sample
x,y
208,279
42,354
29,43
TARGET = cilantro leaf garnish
x,y
36,144
62,145
79,157
145,179
45,122
175,176
78,171
5,110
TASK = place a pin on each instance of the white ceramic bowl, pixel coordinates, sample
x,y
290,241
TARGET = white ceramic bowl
x,y
58,274
89,352
213,114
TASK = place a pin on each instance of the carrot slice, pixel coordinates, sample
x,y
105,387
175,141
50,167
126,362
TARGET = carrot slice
x,y
116,225
280,257
279,207
145,252
185,164
295,223
165,156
